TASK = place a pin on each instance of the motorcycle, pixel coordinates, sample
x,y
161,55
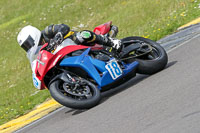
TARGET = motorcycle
x,y
76,75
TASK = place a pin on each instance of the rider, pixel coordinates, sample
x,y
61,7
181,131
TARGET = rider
x,y
30,38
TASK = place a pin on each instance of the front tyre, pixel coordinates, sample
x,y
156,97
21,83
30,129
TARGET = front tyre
x,y
84,96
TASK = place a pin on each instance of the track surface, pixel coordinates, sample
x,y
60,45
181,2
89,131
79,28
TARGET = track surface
x,y
166,102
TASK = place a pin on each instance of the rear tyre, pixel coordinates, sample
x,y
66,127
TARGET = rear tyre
x,y
84,96
154,61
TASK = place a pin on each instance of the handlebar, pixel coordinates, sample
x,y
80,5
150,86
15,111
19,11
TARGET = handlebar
x,y
57,40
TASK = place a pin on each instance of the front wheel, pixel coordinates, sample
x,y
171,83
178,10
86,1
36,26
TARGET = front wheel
x,y
82,95
152,62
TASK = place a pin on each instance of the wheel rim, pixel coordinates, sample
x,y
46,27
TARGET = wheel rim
x,y
153,55
79,91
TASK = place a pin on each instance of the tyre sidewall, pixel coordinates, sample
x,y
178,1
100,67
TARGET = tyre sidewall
x,y
72,103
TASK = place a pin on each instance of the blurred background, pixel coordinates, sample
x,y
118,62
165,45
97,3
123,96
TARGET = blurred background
x,y
152,19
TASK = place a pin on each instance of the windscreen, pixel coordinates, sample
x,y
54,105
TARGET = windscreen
x,y
33,53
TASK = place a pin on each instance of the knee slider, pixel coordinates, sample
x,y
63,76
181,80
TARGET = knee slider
x,y
86,35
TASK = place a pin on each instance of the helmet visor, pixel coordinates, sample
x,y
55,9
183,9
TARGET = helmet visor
x,y
28,43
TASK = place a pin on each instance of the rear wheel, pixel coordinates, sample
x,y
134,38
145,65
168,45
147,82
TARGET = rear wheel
x,y
81,95
151,62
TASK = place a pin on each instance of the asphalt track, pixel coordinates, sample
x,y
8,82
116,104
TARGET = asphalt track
x,y
166,102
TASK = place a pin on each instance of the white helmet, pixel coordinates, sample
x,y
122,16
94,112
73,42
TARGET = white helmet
x,y
28,37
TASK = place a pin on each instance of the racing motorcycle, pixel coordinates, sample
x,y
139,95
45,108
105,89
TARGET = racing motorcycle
x,y
76,75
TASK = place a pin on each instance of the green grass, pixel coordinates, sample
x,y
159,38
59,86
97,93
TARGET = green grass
x,y
149,18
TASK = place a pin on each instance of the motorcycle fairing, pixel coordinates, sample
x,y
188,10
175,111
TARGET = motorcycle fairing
x,y
36,81
103,28
46,60
94,66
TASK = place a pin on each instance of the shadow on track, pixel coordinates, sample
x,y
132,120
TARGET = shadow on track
x,y
107,94
75,111
170,64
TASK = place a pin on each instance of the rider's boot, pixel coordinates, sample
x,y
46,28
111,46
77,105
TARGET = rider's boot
x,y
111,42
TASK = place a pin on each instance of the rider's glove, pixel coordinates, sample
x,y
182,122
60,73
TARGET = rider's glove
x,y
58,38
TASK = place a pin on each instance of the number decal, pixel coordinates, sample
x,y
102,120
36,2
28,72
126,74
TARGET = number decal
x,y
113,74
114,69
36,82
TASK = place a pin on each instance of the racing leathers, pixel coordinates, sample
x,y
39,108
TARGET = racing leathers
x,y
84,37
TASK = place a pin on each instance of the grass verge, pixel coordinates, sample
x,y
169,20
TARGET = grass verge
x,y
151,19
